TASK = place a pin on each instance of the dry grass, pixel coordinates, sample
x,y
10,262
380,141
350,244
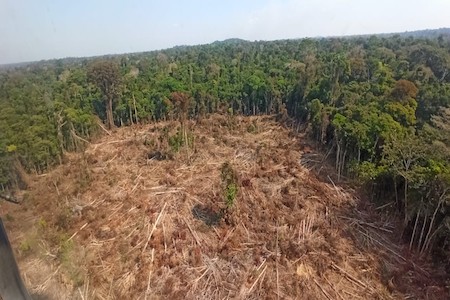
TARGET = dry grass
x,y
288,235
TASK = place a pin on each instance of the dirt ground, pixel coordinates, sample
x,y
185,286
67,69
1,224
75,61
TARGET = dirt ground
x,y
133,218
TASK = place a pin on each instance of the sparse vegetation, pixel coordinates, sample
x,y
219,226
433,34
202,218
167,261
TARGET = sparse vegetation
x,y
177,141
42,224
252,128
9,218
229,182
231,192
71,260
25,246
84,178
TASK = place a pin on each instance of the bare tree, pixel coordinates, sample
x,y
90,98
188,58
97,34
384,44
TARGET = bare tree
x,y
181,102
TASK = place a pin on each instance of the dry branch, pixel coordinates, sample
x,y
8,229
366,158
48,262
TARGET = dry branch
x,y
322,289
334,289
154,227
192,232
259,276
73,235
103,128
360,222
351,277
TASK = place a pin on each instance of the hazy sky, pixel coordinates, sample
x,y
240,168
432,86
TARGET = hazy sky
x,y
44,29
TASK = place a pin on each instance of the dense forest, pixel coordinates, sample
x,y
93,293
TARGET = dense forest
x,y
378,105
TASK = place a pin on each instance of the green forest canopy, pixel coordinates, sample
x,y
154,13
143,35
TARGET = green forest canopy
x,y
380,104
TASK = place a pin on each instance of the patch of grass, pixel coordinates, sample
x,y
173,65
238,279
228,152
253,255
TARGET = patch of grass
x,y
9,218
84,178
25,246
63,219
229,180
29,244
253,128
71,260
65,247
42,223
230,194
149,142
176,141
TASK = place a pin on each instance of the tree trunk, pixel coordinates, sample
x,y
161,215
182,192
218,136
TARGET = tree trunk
x,y
396,194
342,163
131,115
415,226
109,114
190,77
338,154
359,154
424,224
22,176
59,133
406,202
135,110
427,240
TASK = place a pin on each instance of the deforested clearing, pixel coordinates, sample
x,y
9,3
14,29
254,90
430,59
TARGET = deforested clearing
x,y
226,208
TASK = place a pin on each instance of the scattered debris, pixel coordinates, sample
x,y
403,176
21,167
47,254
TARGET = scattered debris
x,y
151,227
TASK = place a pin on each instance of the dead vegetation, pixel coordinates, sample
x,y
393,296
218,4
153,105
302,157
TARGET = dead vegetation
x,y
235,214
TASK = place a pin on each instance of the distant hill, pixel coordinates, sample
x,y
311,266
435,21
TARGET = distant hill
x,y
231,41
426,33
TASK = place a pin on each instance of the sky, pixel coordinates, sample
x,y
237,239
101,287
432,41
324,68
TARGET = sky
x,y
33,30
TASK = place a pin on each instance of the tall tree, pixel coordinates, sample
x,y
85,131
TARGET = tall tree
x,y
402,154
106,75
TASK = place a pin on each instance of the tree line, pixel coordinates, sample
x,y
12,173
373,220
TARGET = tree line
x,y
379,105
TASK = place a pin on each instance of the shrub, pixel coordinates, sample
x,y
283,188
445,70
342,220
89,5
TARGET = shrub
x,y
229,180
176,141
230,194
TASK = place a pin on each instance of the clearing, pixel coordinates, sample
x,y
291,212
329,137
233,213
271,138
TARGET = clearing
x,y
130,218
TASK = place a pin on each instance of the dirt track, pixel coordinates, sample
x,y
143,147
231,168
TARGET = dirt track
x,y
113,224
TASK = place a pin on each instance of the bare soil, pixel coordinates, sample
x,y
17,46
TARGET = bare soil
x,y
130,218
